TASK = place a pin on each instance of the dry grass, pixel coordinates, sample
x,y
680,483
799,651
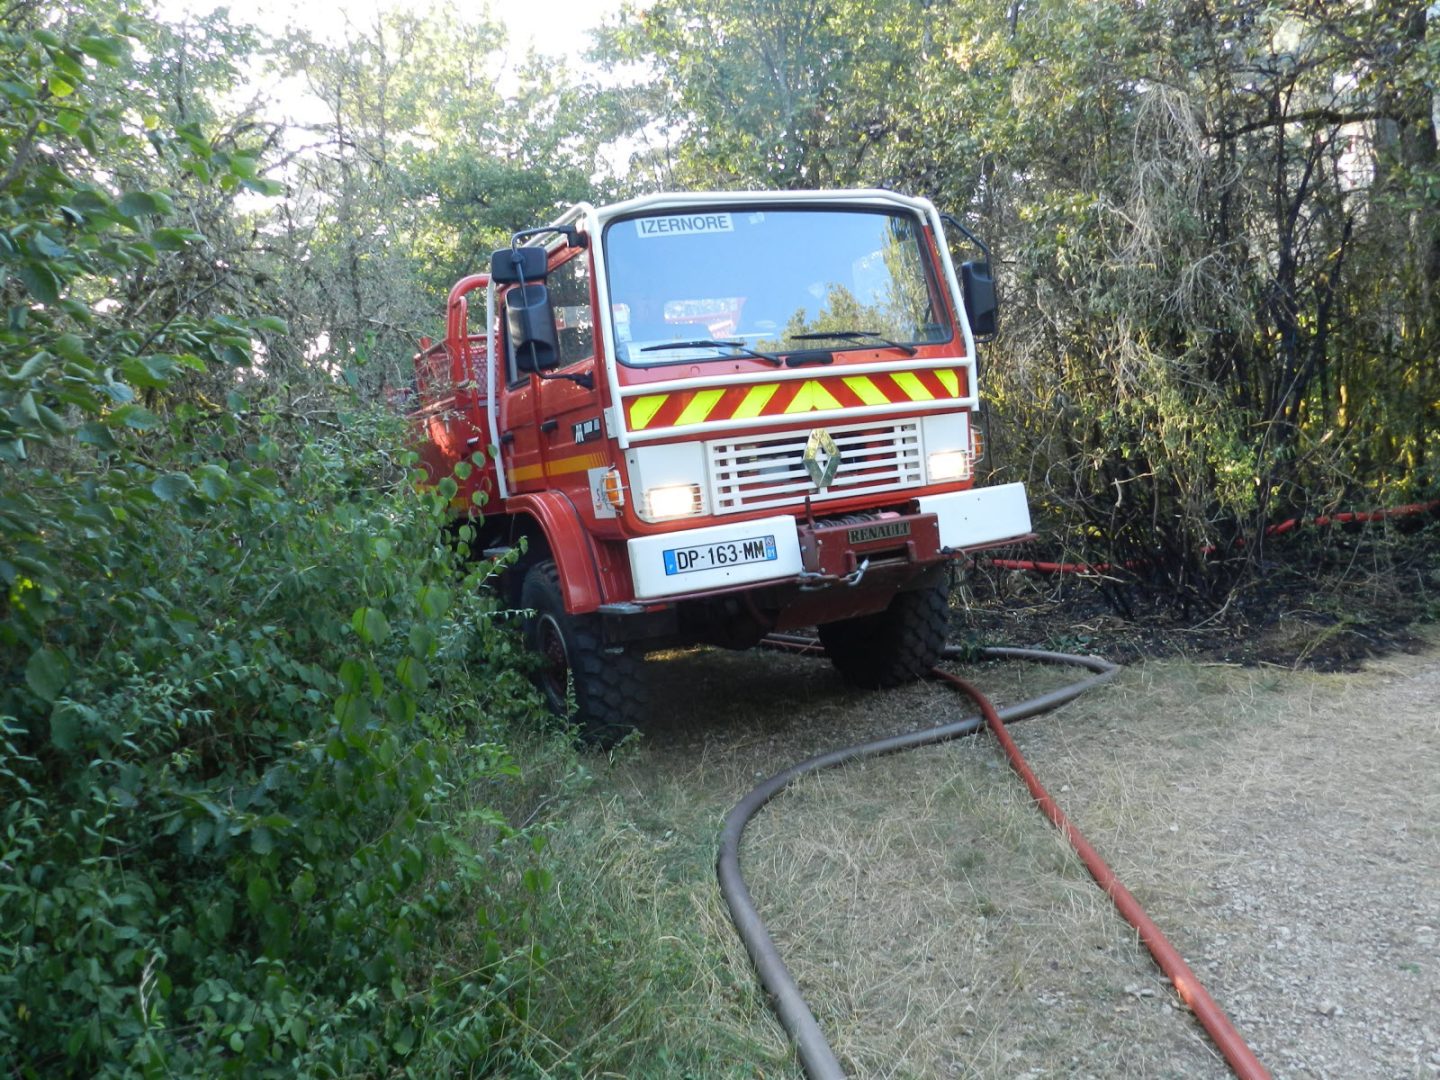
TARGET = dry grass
x,y
941,928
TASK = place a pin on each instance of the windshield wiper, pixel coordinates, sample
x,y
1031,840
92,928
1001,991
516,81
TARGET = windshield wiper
x,y
855,335
711,343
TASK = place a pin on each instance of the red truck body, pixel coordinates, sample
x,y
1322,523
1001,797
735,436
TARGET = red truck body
x,y
704,417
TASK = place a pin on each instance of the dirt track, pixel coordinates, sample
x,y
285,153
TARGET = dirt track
x,y
1283,827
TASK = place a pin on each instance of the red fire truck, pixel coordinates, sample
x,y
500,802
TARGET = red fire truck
x,y
703,417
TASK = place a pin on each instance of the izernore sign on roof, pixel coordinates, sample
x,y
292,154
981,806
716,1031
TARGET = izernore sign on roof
x,y
683,225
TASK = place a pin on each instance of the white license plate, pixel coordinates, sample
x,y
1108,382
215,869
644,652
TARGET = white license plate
x,y
688,560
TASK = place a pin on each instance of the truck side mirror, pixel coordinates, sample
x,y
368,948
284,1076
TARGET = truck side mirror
x,y
530,319
516,265
977,288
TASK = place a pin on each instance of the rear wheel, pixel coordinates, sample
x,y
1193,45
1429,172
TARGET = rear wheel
x,y
894,646
609,692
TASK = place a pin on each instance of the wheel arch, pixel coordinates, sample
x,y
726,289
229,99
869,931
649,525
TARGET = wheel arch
x,y
553,528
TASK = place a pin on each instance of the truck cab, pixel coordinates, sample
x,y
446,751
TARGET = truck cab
x,y
704,417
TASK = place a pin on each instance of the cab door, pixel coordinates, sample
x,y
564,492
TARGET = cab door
x,y
571,432
519,431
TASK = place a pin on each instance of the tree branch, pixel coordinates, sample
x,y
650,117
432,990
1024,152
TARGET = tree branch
x,y
1309,116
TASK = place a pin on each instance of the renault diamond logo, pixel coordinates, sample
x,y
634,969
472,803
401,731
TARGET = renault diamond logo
x,y
822,458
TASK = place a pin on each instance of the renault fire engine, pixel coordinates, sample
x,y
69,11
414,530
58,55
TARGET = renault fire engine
x,y
704,417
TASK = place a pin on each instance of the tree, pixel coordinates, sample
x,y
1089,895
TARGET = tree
x,y
420,169
1214,228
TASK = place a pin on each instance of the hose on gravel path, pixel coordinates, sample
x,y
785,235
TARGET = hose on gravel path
x,y
816,1055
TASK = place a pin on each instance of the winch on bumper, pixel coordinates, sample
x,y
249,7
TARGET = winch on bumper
x,y
842,551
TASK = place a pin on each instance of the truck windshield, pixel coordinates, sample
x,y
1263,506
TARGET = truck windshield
x,y
775,280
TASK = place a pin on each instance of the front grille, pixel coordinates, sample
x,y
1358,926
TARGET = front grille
x,y
757,473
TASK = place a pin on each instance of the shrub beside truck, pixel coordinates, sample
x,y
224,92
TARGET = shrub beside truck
x,y
704,417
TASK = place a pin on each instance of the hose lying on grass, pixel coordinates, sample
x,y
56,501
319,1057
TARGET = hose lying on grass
x,y
816,1056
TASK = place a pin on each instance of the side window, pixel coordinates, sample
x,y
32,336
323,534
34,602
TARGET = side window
x,y
570,293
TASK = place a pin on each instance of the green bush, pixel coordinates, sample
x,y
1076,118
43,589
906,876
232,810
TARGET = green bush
x,y
249,690
231,776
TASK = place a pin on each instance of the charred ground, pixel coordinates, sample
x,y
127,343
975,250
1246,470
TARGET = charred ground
x,y
1322,599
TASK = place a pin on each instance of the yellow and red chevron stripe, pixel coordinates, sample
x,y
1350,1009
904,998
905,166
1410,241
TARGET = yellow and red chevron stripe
x,y
685,408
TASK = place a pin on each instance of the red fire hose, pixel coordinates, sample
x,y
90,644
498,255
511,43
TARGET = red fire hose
x,y
816,1056
1242,1060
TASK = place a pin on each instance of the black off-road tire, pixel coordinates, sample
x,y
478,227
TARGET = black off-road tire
x,y
609,686
894,646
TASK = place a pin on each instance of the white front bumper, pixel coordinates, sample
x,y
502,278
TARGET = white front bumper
x,y
657,573
979,516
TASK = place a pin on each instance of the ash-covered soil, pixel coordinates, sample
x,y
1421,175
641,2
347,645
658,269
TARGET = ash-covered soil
x,y
1321,599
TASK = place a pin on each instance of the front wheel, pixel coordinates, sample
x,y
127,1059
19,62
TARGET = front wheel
x,y
609,691
894,646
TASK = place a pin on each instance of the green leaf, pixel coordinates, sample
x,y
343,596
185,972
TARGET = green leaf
x,y
258,892
353,675
434,600
144,204
412,674
174,239
243,165
33,367
46,673
172,486
371,624
135,416
108,50
273,323
70,66
68,121
42,282
96,435
214,482
230,354
49,248
71,347
263,187
67,722
50,421
25,409
351,710
422,640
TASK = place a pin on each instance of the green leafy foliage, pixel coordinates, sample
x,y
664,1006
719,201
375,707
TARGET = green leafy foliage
x,y
228,827
248,690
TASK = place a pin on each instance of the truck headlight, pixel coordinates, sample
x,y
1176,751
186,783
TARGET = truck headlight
x,y
671,501
947,465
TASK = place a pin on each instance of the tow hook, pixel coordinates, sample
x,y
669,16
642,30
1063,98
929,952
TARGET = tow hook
x,y
810,581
